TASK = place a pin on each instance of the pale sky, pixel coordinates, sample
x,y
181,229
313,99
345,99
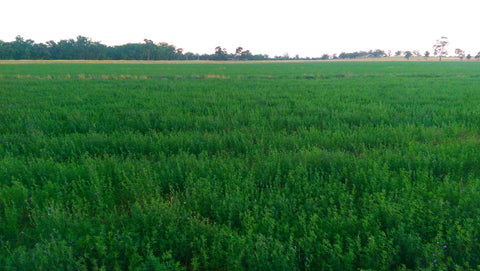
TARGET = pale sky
x,y
304,27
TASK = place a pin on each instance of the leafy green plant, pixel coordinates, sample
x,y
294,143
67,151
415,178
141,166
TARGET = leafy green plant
x,y
311,166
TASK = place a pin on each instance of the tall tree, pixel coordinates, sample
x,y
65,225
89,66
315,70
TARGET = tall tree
x,y
460,53
408,55
439,47
238,52
246,55
149,48
220,53
21,48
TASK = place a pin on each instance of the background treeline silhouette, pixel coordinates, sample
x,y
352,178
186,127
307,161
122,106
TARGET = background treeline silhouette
x,y
85,48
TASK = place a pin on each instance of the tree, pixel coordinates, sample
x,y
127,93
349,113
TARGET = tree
x,y
149,48
460,53
408,54
246,55
21,48
478,55
377,53
427,54
190,56
362,54
439,47
220,53
469,57
40,51
325,57
166,51
65,49
238,52
179,54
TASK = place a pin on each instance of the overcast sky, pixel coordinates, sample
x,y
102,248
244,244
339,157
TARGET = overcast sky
x,y
304,27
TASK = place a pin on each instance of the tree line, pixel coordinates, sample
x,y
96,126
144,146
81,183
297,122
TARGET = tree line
x,y
83,48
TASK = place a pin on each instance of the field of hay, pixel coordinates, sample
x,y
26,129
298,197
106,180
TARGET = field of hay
x,y
227,166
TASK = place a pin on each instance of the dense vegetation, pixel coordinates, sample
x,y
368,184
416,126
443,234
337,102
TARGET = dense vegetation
x,y
83,48
266,166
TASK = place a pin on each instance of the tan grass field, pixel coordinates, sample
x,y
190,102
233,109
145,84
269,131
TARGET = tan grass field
x,y
402,59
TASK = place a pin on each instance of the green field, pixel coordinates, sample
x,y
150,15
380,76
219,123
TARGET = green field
x,y
255,166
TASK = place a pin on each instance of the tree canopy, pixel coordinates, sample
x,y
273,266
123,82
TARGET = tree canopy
x,y
370,54
83,48
440,47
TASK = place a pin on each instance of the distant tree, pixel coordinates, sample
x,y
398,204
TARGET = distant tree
x,y
40,51
5,50
179,54
259,57
246,55
398,53
149,49
19,49
439,47
325,57
220,53
130,51
238,52
377,53
408,54
81,47
460,53
362,54
65,49
477,56
166,51
190,56
427,54
469,57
